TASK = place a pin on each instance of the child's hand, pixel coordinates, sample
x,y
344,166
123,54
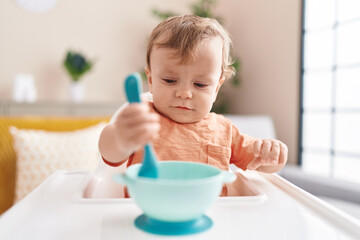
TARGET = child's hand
x,y
270,155
135,126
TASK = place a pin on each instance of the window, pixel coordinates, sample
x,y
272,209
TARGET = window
x,y
330,91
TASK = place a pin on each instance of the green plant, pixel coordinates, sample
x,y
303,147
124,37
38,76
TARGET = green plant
x,y
204,8
76,65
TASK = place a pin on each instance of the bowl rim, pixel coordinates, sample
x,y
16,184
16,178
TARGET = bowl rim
x,y
216,177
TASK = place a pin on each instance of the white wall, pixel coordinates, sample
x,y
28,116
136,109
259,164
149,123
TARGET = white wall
x,y
113,32
266,36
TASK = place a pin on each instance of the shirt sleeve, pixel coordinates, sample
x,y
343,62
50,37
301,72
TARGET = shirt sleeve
x,y
241,148
111,164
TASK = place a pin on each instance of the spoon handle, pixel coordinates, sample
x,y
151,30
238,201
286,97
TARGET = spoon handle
x,y
149,166
133,90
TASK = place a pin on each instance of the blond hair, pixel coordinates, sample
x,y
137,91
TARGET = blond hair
x,y
184,33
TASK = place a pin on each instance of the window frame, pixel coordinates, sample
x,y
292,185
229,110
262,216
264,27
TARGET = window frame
x,y
334,110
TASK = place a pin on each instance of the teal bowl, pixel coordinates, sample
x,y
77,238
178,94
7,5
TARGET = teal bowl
x,y
182,192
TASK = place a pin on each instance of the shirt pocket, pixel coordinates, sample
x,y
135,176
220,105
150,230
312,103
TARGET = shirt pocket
x,y
218,156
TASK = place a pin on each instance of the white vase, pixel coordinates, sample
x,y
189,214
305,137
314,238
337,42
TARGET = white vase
x,y
24,88
77,91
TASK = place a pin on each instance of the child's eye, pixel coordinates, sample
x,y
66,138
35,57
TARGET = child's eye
x,y
200,85
169,81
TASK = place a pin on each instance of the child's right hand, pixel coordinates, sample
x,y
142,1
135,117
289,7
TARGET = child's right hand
x,y
135,126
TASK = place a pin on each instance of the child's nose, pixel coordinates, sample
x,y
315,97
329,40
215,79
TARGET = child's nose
x,y
183,93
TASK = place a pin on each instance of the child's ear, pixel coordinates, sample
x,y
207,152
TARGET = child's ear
x,y
221,81
148,76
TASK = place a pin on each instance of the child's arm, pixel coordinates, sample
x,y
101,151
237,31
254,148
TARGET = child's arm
x,y
134,127
270,155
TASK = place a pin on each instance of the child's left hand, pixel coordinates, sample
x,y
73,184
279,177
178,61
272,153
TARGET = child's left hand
x,y
270,155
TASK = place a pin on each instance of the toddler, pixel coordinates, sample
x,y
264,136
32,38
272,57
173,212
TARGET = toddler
x,y
187,62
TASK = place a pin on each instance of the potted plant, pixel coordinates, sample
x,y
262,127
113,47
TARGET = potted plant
x,y
76,66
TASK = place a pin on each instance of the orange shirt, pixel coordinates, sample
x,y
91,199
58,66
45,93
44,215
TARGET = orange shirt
x,y
214,140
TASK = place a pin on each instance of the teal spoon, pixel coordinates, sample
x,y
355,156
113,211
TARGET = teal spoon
x,y
149,168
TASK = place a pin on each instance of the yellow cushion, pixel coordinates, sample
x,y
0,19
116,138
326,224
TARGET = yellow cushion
x,y
7,154
40,153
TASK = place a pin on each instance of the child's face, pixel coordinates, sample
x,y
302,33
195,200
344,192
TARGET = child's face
x,y
186,92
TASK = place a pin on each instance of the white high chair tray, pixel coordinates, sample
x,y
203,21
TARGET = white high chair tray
x,y
280,210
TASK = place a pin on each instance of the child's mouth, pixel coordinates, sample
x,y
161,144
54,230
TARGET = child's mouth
x,y
184,108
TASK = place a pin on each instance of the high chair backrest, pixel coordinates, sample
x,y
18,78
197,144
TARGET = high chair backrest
x,y
260,126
